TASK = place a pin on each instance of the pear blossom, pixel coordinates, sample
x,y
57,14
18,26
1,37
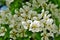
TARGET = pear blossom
x,y
13,34
24,25
49,21
2,31
34,26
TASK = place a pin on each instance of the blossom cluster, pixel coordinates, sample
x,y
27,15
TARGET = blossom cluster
x,y
29,19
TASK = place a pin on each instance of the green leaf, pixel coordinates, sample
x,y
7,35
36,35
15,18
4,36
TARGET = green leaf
x,y
38,9
2,2
15,5
22,38
29,33
26,38
57,38
1,37
38,36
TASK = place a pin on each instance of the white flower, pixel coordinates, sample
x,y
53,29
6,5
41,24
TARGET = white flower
x,y
45,35
15,16
13,33
24,25
51,34
11,26
2,31
22,10
52,28
23,15
45,14
45,38
49,21
34,18
35,4
29,4
41,2
26,8
40,16
16,11
29,21
55,28
34,26
33,13
9,1
2,34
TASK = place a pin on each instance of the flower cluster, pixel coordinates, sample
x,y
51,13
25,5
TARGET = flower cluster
x,y
29,19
